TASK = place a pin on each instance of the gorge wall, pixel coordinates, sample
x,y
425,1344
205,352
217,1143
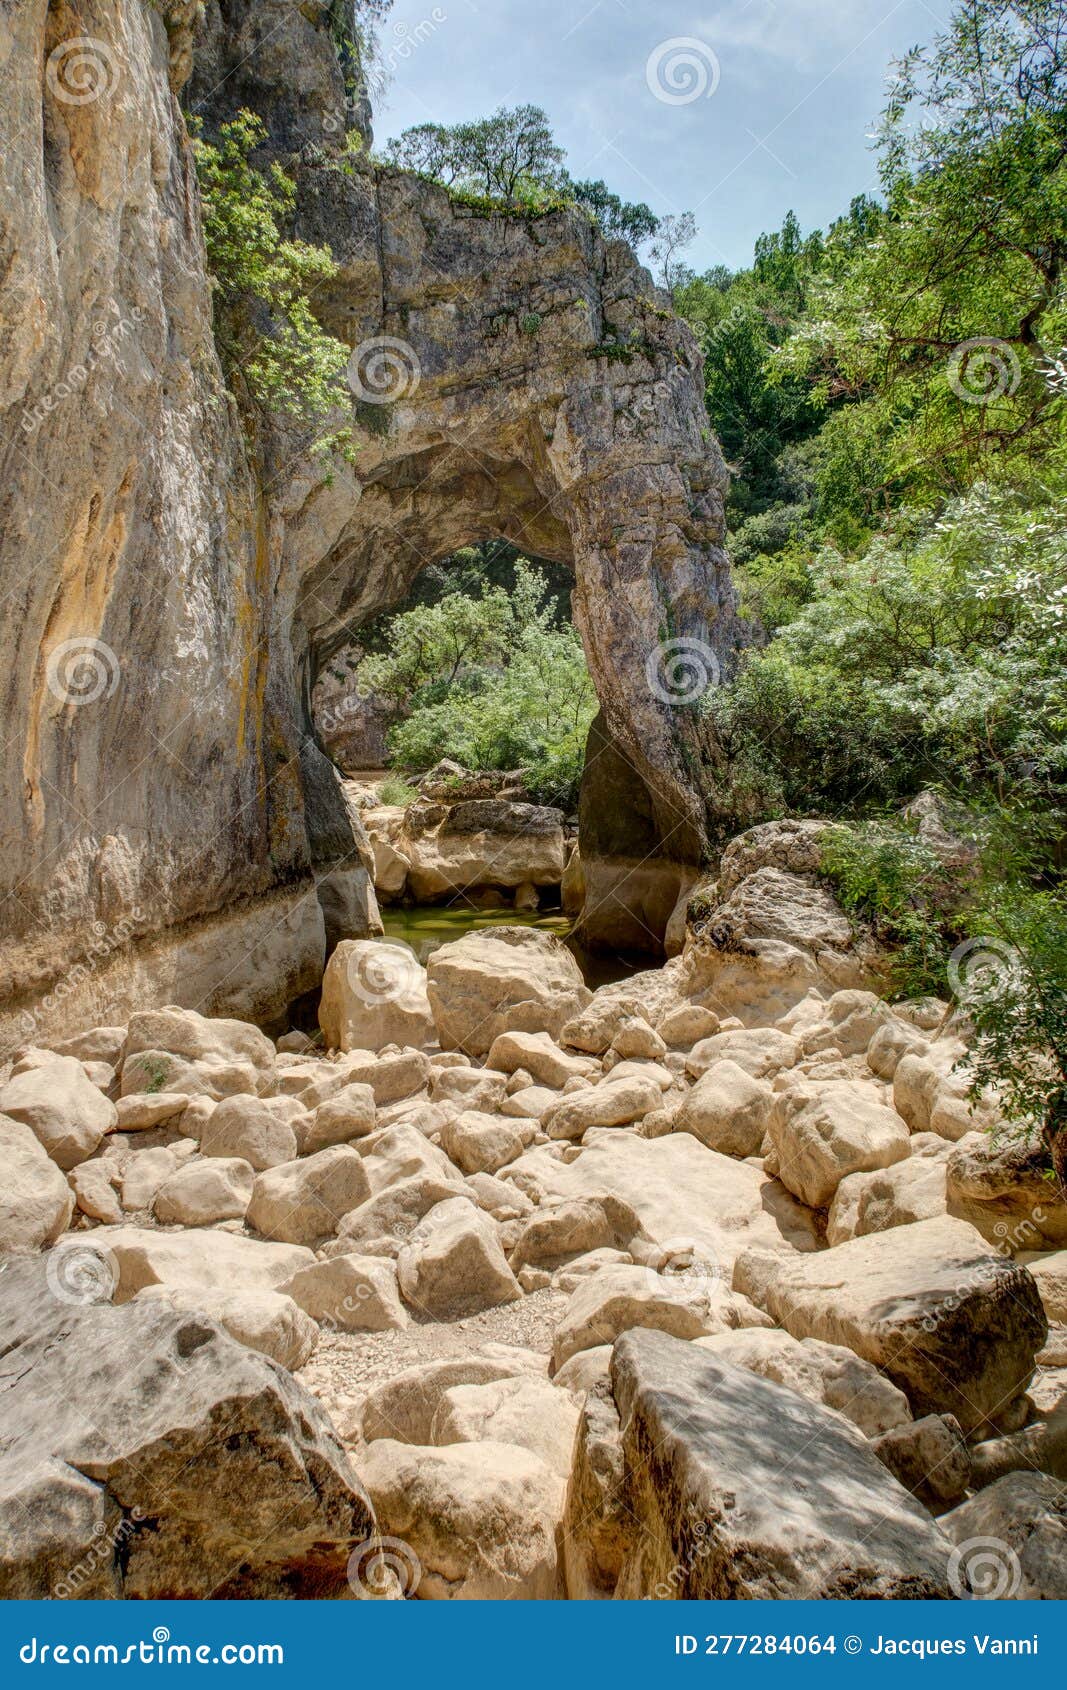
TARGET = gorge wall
x,y
171,830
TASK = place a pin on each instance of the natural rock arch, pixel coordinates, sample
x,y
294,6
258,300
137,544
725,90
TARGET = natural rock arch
x,y
187,812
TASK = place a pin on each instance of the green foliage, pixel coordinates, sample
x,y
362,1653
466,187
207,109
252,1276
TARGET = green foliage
x,y
938,656
511,161
493,681
273,348
394,791
884,874
1017,1005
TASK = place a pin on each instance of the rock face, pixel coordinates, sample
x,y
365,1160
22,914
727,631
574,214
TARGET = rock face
x,y
706,1448
173,829
111,1422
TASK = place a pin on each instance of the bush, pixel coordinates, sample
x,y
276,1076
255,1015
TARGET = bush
x,y
493,682
272,347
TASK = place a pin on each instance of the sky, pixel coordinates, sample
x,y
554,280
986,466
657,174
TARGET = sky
x,y
738,112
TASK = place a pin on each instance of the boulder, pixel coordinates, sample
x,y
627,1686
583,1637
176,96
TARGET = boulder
x,y
618,1298
615,1102
539,1056
594,1027
300,1202
110,1428
185,1261
403,1407
227,1056
374,994
1011,1541
683,1027
94,1186
769,942
96,1044
742,1489
480,842
597,1522
824,1373
1004,1189
847,1024
503,979
266,1321
955,1326
481,1519
390,1078
556,1231
350,1113
382,1225
523,1410
36,1201
760,1051
727,1109
929,1457
469,1088
1050,1272
399,1153
454,1265
142,1175
350,1293
823,1130
636,1040
911,1190
143,1109
62,1108
481,1144
682,1193
203,1192
257,1130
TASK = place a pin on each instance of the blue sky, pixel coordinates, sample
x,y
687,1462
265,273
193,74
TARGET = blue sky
x,y
786,95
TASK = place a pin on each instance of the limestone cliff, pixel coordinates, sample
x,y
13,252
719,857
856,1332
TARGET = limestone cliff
x,y
166,814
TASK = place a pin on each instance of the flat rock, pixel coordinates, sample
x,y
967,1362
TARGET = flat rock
x,y
743,1489
954,1325
191,1261
824,1373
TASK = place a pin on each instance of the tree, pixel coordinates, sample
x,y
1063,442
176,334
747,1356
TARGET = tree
x,y
493,681
498,156
619,220
673,235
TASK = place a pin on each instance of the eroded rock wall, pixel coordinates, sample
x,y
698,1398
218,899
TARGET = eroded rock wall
x,y
170,829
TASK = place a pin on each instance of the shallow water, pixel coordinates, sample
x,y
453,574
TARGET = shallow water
x,y
426,926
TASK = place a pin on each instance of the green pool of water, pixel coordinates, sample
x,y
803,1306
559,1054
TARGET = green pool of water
x,y
426,926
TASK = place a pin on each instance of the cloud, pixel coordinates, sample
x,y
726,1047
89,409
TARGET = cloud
x,y
808,34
